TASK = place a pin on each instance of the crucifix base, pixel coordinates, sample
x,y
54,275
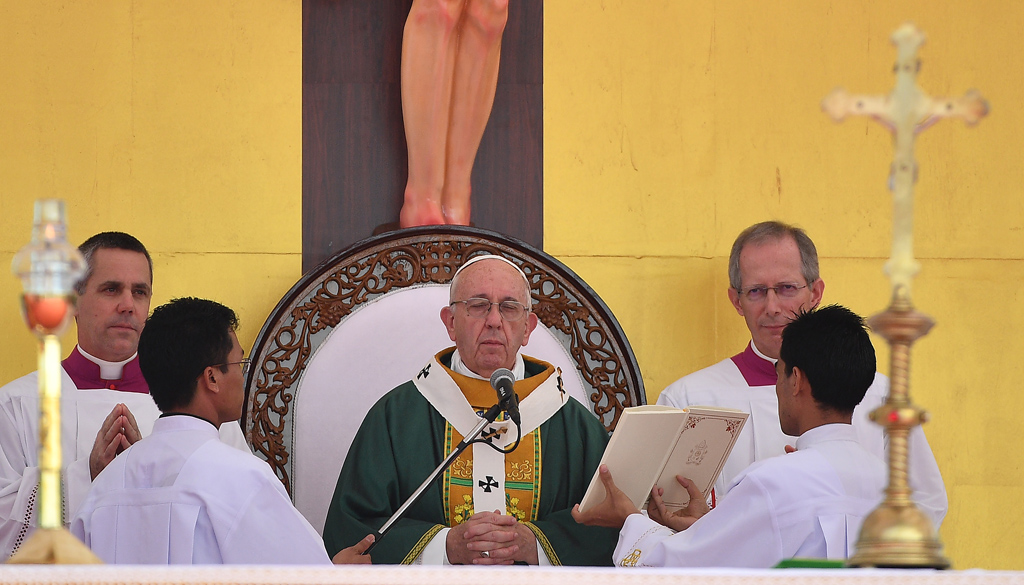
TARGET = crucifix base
x,y
900,537
897,534
53,546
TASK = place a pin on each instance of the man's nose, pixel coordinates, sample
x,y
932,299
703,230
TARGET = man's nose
x,y
772,302
125,302
493,318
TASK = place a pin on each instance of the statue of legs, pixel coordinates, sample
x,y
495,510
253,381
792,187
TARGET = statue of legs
x,y
450,56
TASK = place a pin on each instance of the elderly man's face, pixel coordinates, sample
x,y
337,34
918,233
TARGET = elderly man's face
x,y
772,264
489,342
115,304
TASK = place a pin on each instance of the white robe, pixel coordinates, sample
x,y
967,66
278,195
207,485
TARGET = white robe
x,y
181,496
724,385
808,504
82,413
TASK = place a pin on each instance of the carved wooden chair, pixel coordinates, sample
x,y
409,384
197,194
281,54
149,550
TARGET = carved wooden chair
x,y
367,319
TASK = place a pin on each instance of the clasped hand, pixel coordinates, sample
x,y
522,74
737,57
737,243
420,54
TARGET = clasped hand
x,y
118,432
504,539
616,507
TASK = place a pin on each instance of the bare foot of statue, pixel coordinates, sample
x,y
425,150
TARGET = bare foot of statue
x,y
417,211
456,214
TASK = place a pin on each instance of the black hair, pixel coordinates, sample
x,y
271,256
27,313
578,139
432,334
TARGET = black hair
x,y
180,340
832,348
110,241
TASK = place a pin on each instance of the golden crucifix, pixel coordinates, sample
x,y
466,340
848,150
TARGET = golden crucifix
x,y
897,533
905,112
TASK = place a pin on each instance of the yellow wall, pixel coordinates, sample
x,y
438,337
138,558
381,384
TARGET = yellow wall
x,y
178,122
670,126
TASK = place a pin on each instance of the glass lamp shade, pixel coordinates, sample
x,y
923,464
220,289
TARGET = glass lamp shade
x,y
49,267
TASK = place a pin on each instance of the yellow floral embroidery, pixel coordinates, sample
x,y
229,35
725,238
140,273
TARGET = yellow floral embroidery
x,y
512,506
463,512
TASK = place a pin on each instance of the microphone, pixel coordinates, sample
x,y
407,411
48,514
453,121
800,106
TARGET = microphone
x,y
502,380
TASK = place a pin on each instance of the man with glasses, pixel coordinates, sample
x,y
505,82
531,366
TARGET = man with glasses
x,y
490,507
180,495
773,276
105,406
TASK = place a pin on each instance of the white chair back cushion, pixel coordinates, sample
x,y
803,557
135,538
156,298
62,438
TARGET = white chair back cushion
x,y
380,345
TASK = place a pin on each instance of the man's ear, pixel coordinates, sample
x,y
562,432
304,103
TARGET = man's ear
x,y
531,324
800,383
734,297
209,380
448,318
817,291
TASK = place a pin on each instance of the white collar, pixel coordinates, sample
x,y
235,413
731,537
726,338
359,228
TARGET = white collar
x,y
108,370
753,346
828,432
459,367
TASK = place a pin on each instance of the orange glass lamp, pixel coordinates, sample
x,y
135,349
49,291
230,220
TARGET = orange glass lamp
x,y
48,268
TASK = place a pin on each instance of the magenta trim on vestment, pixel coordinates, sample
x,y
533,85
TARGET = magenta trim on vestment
x,y
86,375
756,370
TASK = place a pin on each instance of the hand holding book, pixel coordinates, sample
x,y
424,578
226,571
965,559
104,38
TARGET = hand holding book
x,y
610,512
682,518
617,506
654,444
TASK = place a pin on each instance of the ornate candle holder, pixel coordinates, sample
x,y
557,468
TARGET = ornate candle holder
x,y
897,533
49,267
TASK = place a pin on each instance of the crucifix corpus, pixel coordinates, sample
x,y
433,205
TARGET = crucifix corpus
x,y
897,533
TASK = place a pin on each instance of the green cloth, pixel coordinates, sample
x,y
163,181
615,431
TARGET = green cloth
x,y
401,441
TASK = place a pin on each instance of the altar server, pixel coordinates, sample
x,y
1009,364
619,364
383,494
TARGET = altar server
x,y
180,495
809,503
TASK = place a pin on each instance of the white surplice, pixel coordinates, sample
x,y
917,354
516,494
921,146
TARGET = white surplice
x,y
725,385
807,504
181,496
82,414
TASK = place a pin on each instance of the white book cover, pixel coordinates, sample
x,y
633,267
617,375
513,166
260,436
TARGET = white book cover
x,y
653,444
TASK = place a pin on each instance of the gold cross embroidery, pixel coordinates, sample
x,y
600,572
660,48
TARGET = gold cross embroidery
x,y
631,559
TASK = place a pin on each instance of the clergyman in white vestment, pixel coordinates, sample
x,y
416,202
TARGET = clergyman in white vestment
x,y
105,403
773,274
180,496
809,503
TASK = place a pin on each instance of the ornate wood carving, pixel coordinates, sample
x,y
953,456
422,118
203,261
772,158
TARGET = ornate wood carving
x,y
373,267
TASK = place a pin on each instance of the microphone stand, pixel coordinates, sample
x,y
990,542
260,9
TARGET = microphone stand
x,y
487,419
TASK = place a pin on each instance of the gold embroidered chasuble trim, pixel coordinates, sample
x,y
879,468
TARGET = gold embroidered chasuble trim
x,y
545,544
421,544
522,466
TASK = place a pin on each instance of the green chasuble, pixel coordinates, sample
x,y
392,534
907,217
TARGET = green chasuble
x,y
403,438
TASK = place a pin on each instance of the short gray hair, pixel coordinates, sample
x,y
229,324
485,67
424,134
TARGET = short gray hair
x,y
458,273
773,231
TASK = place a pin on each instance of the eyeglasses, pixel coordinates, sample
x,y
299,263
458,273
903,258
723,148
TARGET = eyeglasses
x,y
245,363
509,310
756,294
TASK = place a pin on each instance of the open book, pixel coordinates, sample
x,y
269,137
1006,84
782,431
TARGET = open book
x,y
653,444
